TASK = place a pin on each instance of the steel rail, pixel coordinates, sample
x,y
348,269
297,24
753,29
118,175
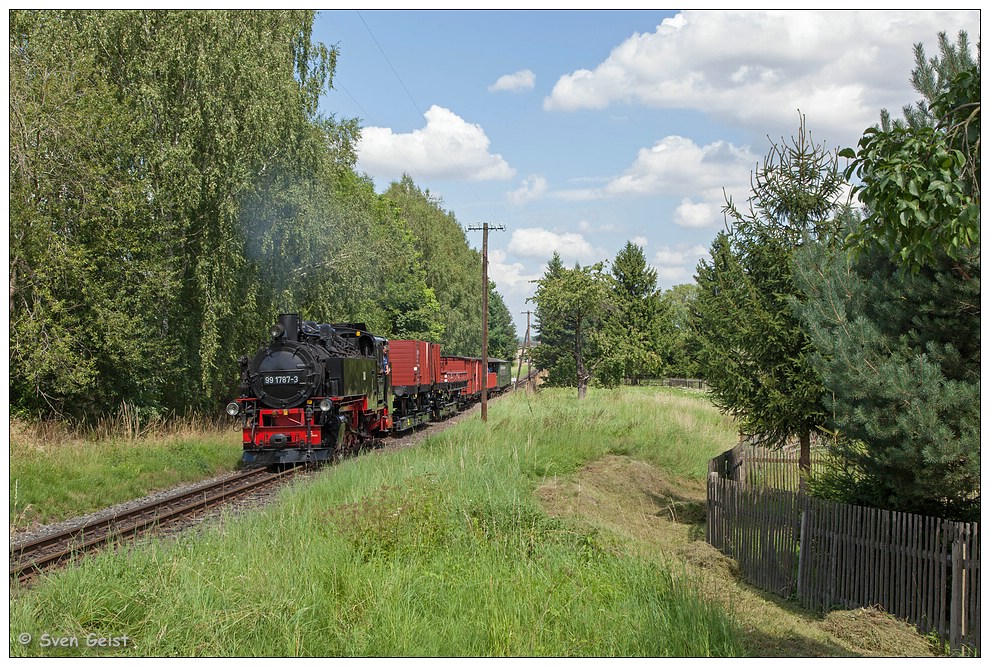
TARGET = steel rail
x,y
131,522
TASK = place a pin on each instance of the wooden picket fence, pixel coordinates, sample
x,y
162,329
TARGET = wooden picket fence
x,y
828,554
690,383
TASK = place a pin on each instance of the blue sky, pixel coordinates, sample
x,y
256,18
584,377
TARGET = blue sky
x,y
581,130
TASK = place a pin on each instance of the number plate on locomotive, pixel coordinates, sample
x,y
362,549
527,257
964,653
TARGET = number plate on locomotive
x,y
281,379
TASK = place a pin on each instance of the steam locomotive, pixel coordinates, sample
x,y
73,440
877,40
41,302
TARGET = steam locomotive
x,y
317,392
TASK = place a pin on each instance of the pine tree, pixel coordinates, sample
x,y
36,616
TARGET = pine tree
x,y
896,320
930,78
635,332
899,353
554,339
754,352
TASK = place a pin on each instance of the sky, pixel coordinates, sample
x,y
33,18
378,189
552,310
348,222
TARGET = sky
x,y
581,130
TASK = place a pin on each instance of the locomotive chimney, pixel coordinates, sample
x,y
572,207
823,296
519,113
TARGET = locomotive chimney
x,y
290,325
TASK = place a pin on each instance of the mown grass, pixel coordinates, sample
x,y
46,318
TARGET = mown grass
x,y
55,475
437,550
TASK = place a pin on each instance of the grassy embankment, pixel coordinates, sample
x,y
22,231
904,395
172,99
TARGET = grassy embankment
x,y
57,473
441,549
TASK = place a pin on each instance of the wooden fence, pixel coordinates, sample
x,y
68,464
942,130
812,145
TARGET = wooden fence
x,y
690,383
828,554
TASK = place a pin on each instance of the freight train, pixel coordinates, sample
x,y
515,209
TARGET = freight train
x,y
317,392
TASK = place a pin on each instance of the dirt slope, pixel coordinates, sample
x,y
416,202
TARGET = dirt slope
x,y
664,516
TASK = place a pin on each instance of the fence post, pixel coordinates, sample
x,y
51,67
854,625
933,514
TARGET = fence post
x,y
712,525
955,606
802,562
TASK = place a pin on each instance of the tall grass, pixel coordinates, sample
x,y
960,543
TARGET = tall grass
x,y
57,471
437,550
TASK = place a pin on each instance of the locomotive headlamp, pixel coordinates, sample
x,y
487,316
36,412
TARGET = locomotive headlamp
x,y
277,330
326,404
233,409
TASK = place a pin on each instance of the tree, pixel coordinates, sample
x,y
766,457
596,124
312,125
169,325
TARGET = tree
x,y
555,339
575,298
680,303
895,317
452,268
929,78
754,353
899,354
502,342
634,333
920,181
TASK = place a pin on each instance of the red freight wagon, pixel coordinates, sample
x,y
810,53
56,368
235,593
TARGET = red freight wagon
x,y
459,369
415,363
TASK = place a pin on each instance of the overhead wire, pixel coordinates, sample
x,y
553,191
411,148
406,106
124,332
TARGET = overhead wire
x,y
416,106
399,150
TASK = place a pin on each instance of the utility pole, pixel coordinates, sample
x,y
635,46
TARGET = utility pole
x,y
484,314
525,346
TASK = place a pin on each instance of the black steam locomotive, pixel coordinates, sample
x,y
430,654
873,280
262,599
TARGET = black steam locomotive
x,y
313,392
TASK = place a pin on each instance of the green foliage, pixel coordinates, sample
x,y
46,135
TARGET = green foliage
x,y
555,339
133,136
574,299
753,351
635,332
502,342
900,356
896,319
921,185
452,271
173,188
680,303
930,77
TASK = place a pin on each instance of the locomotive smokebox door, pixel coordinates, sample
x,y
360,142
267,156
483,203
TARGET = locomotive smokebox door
x,y
284,375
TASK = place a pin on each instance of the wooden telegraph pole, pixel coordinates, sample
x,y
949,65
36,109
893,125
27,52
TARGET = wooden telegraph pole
x,y
484,314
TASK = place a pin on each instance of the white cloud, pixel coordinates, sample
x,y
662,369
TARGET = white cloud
x,y
757,68
510,278
666,256
640,241
588,228
676,264
699,215
532,188
447,148
676,165
521,80
541,243
674,275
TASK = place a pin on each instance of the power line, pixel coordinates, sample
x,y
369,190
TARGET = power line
x,y
394,145
419,110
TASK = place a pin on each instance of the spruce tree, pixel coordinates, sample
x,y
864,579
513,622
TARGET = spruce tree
x,y
554,338
896,319
635,331
754,352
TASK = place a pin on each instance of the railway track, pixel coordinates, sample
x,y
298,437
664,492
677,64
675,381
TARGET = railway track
x,y
30,558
